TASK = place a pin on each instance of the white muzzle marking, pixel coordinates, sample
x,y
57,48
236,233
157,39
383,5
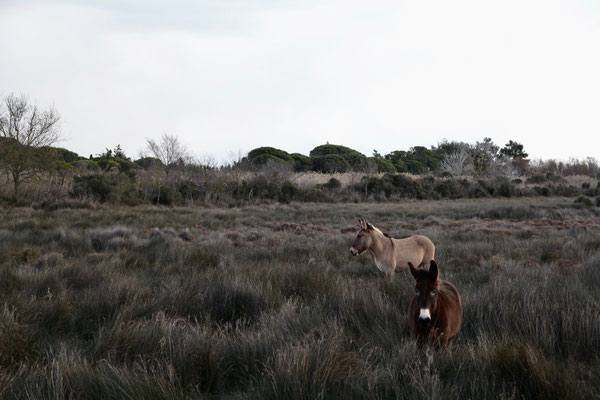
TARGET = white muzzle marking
x,y
424,314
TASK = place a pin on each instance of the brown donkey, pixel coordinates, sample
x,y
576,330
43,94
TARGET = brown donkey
x,y
435,313
391,254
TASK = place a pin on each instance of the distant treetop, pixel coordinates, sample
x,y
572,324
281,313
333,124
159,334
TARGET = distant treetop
x,y
326,149
325,160
513,150
262,155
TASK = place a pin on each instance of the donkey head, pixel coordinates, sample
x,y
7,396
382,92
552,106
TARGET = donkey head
x,y
363,239
426,293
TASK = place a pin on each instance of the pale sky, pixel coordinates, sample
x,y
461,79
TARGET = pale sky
x,y
230,75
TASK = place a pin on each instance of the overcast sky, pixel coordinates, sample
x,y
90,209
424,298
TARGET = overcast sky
x,y
229,75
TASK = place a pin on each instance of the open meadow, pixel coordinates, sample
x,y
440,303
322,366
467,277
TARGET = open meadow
x,y
265,301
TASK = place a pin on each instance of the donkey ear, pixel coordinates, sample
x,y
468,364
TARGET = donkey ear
x,y
433,270
413,270
369,226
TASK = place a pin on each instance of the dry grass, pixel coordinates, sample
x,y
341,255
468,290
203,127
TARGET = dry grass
x,y
266,302
579,180
310,179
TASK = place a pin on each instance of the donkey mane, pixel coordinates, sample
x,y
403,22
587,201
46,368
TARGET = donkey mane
x,y
376,229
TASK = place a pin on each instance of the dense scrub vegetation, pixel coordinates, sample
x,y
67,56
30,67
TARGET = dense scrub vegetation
x,y
269,174
107,302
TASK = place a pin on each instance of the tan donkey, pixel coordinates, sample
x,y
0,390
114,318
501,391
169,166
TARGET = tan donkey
x,y
389,253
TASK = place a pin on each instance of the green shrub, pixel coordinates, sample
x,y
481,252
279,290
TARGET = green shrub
x,y
397,160
584,201
393,184
67,155
375,186
450,188
564,190
404,185
263,159
333,184
262,155
426,157
291,192
129,194
383,165
542,190
415,166
149,162
536,179
260,188
503,187
326,156
417,161
190,190
87,165
107,164
553,177
126,166
479,190
168,196
313,196
331,163
95,186
302,163
326,149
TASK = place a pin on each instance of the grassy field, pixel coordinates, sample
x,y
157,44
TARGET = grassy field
x,y
266,302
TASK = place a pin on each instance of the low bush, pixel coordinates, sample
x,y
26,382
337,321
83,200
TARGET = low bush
x,y
536,179
333,184
95,186
331,163
584,201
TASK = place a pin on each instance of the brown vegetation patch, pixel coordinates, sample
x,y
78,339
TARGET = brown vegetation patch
x,y
234,236
468,263
300,229
349,229
296,228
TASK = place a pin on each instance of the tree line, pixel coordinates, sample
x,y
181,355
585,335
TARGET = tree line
x,y
455,158
169,174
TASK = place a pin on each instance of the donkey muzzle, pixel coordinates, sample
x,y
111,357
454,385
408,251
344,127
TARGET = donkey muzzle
x,y
353,251
424,315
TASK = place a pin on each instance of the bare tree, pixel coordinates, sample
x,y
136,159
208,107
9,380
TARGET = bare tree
x,y
26,132
458,163
237,159
170,151
206,161
369,169
484,155
173,157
